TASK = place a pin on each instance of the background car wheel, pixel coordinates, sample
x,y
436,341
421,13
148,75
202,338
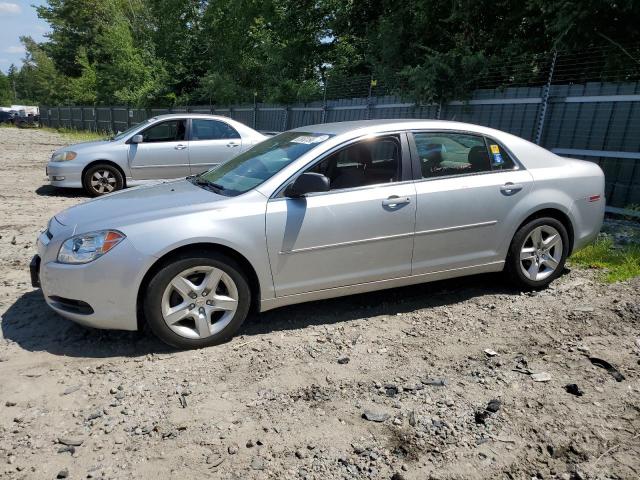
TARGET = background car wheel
x,y
538,252
197,301
102,179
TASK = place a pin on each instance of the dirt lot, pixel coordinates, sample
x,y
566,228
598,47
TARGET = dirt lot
x,y
287,398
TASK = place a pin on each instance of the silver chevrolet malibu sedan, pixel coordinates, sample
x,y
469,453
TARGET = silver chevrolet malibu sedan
x,y
162,147
317,212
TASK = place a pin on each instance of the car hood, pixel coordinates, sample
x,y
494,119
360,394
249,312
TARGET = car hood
x,y
86,146
139,204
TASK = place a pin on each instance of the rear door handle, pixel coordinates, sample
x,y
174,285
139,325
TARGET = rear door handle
x,y
233,144
395,201
511,188
180,146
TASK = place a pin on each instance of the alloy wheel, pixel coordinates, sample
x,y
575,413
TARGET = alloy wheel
x,y
541,253
199,302
103,181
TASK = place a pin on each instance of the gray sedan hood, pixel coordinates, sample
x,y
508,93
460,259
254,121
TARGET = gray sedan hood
x,y
85,146
138,205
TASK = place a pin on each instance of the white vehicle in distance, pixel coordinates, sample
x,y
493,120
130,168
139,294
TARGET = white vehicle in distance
x,y
162,147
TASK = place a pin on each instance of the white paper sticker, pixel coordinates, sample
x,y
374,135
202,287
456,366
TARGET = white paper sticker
x,y
309,139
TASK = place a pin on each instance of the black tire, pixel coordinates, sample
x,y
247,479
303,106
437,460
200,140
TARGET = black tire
x,y
152,301
513,264
109,172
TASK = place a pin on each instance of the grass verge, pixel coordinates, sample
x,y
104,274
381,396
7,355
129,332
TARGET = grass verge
x,y
618,263
76,136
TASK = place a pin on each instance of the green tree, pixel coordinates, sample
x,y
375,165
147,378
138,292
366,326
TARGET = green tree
x,y
83,89
38,81
145,52
6,94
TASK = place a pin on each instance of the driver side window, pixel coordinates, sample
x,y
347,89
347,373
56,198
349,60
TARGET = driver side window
x,y
369,162
169,131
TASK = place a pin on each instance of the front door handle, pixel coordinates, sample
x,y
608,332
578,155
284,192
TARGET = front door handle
x,y
233,144
395,201
511,188
180,146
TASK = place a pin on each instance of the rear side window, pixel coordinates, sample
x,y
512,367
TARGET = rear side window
x,y
444,154
212,130
170,131
500,159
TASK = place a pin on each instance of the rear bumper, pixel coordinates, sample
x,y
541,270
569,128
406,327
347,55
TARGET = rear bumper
x,y
64,174
587,220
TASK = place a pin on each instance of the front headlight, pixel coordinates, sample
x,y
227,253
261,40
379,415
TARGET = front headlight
x,y
87,247
63,156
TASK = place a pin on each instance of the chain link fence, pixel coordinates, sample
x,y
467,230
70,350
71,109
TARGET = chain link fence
x,y
578,104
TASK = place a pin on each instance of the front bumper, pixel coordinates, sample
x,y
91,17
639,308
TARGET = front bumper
x,y
100,294
64,174
34,270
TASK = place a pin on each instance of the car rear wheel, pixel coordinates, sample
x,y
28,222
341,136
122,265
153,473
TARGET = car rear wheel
x,y
101,179
197,301
538,252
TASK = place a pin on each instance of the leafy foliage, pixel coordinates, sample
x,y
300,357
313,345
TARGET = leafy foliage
x,y
165,52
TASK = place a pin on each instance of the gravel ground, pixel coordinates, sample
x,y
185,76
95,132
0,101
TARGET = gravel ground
x,y
431,381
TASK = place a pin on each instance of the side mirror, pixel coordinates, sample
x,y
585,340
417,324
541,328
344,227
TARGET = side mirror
x,y
137,139
307,183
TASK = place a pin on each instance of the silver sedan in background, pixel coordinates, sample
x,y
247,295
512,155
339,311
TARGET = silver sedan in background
x,y
318,212
162,147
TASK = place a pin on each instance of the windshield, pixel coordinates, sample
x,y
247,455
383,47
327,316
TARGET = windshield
x,y
259,163
121,135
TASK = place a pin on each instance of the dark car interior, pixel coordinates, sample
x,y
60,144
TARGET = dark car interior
x,y
365,163
171,131
452,158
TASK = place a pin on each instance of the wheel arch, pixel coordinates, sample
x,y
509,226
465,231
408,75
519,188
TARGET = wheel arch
x,y
252,276
111,163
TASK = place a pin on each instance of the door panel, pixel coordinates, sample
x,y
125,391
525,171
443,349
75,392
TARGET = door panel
x,y
341,238
212,142
164,152
464,221
204,154
467,191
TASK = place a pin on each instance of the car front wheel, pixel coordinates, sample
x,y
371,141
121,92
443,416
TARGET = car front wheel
x,y
197,300
538,252
101,179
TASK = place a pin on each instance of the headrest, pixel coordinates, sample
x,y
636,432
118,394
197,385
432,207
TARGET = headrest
x,y
479,158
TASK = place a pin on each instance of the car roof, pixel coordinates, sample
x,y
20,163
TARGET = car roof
x,y
189,115
339,128
241,127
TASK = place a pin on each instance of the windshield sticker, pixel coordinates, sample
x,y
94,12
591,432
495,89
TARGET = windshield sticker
x,y
495,149
309,139
497,159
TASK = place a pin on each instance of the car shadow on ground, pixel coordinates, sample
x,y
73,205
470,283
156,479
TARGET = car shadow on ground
x,y
385,302
51,191
31,324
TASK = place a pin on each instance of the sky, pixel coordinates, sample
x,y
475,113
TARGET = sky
x,y
18,18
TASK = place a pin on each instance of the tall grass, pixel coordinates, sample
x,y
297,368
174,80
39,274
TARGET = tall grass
x,y
76,136
617,263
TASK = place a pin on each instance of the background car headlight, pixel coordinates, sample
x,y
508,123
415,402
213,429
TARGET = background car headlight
x,y
87,247
63,156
